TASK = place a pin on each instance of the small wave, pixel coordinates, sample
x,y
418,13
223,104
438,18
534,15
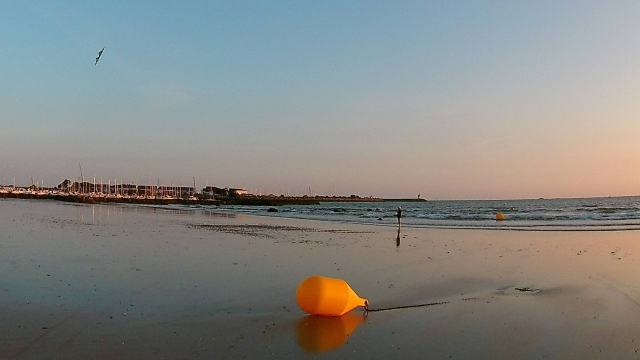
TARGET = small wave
x,y
599,213
610,210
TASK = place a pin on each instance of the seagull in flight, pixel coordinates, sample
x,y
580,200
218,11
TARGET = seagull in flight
x,y
99,54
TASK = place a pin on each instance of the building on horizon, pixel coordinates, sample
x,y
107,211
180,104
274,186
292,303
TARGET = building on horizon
x,y
223,192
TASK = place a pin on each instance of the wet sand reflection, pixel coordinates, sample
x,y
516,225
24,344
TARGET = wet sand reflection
x,y
324,333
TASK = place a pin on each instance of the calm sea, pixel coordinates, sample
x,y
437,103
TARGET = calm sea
x,y
614,213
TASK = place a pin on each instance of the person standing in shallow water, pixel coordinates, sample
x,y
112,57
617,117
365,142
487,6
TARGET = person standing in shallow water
x,y
399,217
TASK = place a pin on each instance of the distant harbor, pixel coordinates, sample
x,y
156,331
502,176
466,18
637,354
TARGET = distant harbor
x,y
152,194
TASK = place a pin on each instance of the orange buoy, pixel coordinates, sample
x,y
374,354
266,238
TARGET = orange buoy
x,y
323,296
499,216
323,333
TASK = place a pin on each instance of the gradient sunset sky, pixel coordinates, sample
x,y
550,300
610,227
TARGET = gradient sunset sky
x,y
449,99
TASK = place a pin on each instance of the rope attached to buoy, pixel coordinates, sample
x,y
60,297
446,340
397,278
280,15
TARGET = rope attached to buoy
x,y
367,310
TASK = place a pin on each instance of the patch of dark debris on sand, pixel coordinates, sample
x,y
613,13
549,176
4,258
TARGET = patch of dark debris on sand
x,y
65,222
266,231
536,291
255,230
527,290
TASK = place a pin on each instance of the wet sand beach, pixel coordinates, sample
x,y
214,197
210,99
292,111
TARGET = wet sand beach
x,y
81,281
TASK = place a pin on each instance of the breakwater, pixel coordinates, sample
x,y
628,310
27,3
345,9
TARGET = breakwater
x,y
405,200
88,199
198,199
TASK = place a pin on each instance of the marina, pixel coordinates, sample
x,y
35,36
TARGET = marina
x,y
157,194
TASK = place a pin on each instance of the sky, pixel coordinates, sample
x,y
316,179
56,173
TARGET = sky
x,y
447,99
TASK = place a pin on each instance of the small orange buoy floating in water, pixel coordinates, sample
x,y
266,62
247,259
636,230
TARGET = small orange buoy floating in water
x,y
323,296
499,216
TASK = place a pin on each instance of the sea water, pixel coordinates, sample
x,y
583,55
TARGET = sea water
x,y
612,213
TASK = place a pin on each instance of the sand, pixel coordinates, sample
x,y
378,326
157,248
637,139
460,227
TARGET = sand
x,y
130,282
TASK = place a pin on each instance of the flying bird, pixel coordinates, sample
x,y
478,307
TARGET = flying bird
x,y
99,54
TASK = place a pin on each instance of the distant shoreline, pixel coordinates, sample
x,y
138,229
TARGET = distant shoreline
x,y
236,200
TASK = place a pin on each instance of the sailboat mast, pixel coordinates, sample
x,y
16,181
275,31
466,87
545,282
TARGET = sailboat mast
x,y
81,177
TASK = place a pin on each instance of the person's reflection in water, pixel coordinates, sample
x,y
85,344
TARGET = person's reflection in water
x,y
398,239
324,333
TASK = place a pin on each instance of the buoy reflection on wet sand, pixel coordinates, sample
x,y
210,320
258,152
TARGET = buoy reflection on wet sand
x,y
322,333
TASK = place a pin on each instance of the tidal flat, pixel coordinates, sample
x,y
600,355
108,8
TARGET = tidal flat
x,y
90,281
